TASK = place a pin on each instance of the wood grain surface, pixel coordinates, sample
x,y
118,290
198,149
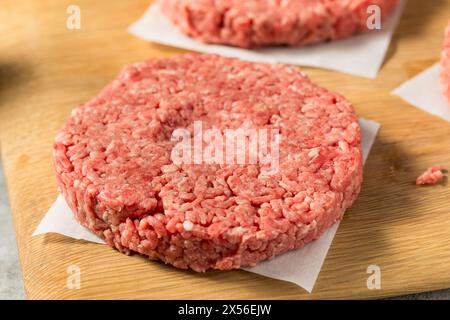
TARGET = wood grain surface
x,y
46,70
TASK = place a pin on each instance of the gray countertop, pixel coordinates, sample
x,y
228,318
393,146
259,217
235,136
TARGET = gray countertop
x,y
11,286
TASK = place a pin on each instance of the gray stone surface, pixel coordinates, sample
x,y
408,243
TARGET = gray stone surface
x,y
11,286
434,295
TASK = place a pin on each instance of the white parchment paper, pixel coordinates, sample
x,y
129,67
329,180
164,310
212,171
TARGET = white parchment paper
x,y
424,91
300,266
361,55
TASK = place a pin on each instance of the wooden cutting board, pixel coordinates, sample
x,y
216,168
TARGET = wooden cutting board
x,y
46,70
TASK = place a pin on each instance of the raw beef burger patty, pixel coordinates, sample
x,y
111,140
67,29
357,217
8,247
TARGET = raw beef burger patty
x,y
113,162
253,23
445,64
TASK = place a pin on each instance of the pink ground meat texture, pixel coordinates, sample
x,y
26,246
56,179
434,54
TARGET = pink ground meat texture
x,y
113,162
253,23
445,64
433,175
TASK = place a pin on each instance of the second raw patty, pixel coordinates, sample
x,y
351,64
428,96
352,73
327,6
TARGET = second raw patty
x,y
445,64
255,23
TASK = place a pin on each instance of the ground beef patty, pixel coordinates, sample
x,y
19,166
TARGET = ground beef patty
x,y
445,64
113,162
253,23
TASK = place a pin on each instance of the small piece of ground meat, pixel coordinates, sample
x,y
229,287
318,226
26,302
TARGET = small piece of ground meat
x,y
433,175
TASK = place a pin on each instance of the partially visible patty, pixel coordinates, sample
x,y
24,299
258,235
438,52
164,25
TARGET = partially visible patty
x,y
113,163
253,23
445,64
